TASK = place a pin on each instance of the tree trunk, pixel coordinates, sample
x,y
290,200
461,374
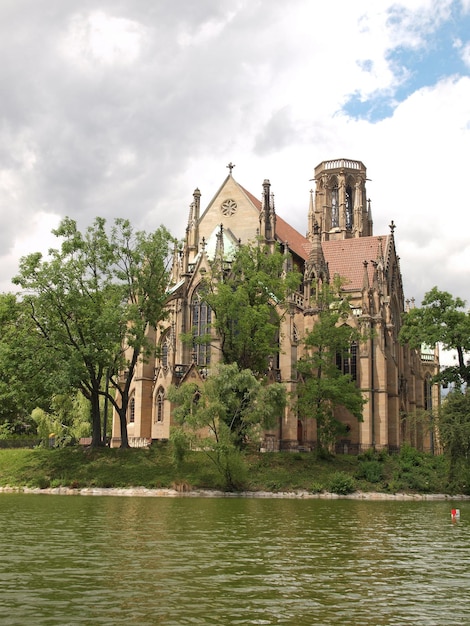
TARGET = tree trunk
x,y
123,424
95,420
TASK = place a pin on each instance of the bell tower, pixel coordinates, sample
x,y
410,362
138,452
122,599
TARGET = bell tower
x,y
341,208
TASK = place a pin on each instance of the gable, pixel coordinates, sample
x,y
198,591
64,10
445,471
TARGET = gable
x,y
234,209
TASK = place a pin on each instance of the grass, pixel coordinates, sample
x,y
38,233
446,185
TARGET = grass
x,y
410,471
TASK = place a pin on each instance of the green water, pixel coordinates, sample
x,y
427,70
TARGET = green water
x,y
122,560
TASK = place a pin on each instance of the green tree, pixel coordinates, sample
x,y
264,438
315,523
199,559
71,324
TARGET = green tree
x,y
25,371
323,386
441,319
454,429
225,412
68,420
92,303
248,296
142,263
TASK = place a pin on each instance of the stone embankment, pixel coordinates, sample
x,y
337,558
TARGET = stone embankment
x,y
202,493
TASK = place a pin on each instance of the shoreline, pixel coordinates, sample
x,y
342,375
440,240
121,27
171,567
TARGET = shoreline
x,y
210,493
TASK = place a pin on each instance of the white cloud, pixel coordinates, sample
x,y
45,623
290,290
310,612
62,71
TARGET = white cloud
x,y
465,54
123,108
101,38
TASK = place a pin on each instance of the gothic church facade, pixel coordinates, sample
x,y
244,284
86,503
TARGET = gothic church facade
x,y
394,379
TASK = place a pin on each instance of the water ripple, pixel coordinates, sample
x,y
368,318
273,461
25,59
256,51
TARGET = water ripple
x,y
102,560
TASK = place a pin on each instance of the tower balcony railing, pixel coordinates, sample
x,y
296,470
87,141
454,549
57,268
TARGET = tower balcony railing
x,y
343,164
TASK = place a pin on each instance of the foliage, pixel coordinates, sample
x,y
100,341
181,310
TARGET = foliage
x,y
25,381
342,484
248,296
323,386
441,319
454,429
68,421
92,302
180,445
417,471
371,471
226,411
141,271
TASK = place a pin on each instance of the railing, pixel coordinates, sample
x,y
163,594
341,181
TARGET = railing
x,y
343,163
139,442
297,299
181,369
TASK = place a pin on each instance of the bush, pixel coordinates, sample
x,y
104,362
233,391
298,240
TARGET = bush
x,y
409,456
342,483
372,471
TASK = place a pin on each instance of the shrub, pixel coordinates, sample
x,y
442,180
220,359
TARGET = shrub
x,y
342,483
372,471
409,456
180,445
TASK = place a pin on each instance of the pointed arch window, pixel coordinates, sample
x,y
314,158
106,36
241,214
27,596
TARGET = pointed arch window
x,y
160,405
201,318
349,208
335,206
347,363
427,393
165,349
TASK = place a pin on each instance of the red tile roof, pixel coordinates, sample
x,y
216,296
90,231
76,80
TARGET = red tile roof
x,y
346,258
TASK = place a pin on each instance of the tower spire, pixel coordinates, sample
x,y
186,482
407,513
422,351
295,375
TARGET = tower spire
x,y
268,214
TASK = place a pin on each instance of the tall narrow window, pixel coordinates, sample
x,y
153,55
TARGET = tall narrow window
x,y
334,207
165,349
160,405
427,394
132,411
349,208
347,363
201,324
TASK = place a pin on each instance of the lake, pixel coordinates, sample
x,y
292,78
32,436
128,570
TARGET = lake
x,y
175,561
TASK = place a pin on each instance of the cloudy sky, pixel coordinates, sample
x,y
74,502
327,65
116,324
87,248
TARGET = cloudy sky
x,y
123,107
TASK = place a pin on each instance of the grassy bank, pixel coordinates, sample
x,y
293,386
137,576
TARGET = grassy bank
x,y
409,471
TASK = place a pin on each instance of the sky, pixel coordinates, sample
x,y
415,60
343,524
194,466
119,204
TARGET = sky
x,y
121,108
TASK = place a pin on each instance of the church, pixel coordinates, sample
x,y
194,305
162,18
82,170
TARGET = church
x,y
395,380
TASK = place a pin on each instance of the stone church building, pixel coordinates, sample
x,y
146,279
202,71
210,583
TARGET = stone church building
x,y
394,379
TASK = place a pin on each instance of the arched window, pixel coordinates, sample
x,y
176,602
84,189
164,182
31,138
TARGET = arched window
x,y
201,317
334,206
132,410
347,363
165,349
160,405
427,393
349,208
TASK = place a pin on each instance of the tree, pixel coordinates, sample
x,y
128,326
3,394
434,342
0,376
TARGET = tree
x,y
454,428
25,371
68,420
248,295
323,385
225,412
441,319
142,264
92,303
